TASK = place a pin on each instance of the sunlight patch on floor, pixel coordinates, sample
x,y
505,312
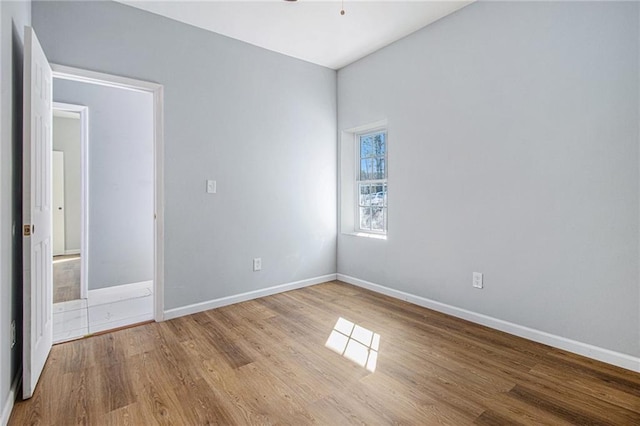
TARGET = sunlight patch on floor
x,y
355,343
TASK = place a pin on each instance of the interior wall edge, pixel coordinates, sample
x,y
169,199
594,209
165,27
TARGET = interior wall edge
x,y
608,356
243,297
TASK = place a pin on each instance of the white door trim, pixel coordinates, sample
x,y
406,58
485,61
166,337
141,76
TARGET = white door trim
x,y
84,189
157,90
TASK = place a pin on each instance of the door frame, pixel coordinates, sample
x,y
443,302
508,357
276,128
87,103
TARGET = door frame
x,y
157,90
84,189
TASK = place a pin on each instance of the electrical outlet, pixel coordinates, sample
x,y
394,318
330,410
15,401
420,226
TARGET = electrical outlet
x,y
257,264
211,186
477,279
13,333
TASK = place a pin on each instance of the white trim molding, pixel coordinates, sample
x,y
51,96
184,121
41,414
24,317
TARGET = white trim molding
x,y
590,351
243,297
7,407
106,295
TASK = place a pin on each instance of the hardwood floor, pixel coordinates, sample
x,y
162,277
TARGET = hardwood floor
x,y
265,362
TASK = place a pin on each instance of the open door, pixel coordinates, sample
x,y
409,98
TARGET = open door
x,y
36,212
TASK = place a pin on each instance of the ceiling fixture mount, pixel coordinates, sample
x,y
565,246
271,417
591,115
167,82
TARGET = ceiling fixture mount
x,y
342,12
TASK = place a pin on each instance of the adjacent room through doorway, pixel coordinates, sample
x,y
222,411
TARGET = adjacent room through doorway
x,y
69,139
66,213
103,208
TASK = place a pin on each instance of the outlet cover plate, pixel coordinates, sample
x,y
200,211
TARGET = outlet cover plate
x,y
257,264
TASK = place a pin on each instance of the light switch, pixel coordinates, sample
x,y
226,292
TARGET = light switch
x,y
211,186
477,280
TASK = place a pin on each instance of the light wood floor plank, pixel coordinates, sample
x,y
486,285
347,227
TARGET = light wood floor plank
x,y
265,362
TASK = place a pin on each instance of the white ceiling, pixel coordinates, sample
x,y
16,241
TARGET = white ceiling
x,y
311,30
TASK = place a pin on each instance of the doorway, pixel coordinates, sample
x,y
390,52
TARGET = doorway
x,y
120,259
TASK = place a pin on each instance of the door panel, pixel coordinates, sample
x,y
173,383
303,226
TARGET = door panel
x,y
36,211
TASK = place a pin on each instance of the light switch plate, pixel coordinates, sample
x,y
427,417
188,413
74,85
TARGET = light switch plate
x,y
211,186
477,280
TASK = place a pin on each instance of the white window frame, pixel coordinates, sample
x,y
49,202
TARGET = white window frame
x,y
358,181
348,224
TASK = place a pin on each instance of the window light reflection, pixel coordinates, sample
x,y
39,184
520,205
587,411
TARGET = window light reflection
x,y
355,343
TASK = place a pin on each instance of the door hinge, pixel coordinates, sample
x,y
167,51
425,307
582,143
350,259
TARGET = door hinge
x,y
28,230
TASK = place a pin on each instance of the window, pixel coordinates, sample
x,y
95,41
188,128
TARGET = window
x,y
362,174
371,182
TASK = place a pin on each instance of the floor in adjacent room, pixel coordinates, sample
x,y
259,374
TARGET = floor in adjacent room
x,y
66,278
70,316
328,354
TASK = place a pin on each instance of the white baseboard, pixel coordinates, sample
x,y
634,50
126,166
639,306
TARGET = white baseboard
x,y
70,305
7,407
74,251
243,297
119,306
103,296
605,355
120,314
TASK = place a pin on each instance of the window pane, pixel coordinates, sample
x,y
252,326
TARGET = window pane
x,y
365,218
366,146
384,194
379,168
377,219
365,195
379,145
366,169
377,196
371,182
374,168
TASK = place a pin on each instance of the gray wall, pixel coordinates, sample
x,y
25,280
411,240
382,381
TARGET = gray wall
x,y
513,151
260,123
13,17
66,138
120,181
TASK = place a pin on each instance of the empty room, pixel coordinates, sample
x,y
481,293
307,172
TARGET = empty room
x,y
319,212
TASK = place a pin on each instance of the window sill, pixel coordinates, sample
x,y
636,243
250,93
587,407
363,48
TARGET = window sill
x,y
366,235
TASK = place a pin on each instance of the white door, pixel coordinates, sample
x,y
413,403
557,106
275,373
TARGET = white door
x,y
58,203
36,211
